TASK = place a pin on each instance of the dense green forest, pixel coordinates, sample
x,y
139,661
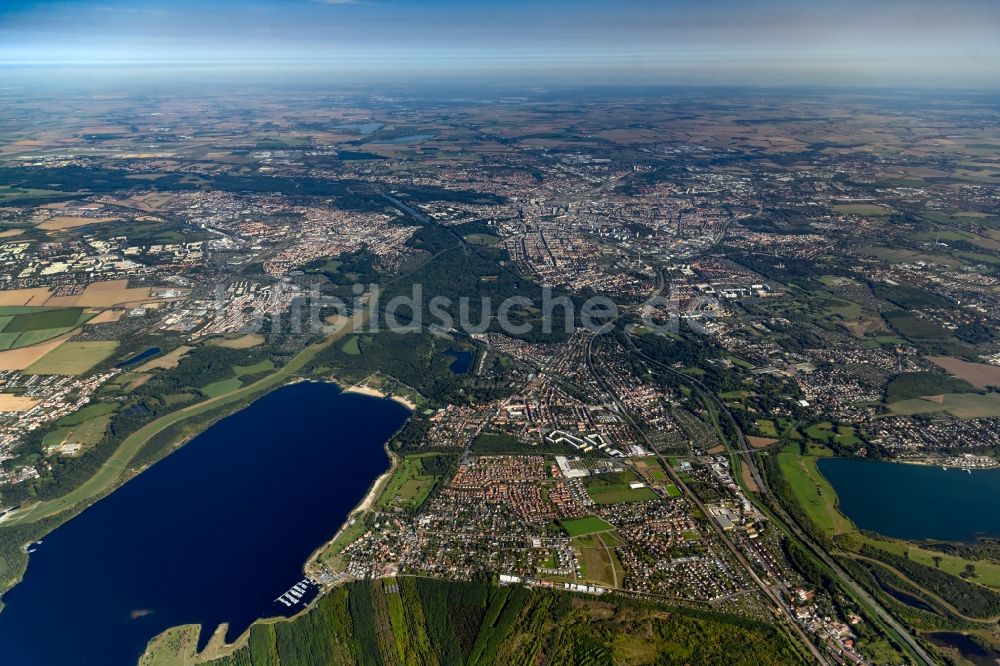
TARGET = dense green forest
x,y
425,621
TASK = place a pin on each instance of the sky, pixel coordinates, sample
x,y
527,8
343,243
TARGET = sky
x,y
839,42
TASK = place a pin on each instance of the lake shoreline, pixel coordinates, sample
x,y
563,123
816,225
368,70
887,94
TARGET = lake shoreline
x,y
259,553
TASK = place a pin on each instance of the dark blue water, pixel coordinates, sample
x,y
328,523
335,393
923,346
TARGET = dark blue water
x,y
462,362
916,501
141,356
214,533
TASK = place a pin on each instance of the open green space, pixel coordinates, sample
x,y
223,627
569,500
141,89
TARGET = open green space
x,y
414,479
221,387
811,491
862,209
352,346
87,412
598,561
261,366
587,525
621,493
481,239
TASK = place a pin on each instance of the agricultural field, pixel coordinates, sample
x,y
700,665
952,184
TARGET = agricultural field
x,y
22,326
959,405
72,358
242,342
980,375
16,403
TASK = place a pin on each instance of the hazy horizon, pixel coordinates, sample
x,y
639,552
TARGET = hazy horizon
x,y
759,42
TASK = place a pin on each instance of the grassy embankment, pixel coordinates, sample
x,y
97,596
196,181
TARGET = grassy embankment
x,y
818,500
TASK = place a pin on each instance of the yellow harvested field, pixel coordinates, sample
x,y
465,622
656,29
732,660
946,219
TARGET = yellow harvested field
x,y
62,301
107,316
166,361
61,222
72,358
980,375
243,342
16,403
19,359
10,233
111,292
32,296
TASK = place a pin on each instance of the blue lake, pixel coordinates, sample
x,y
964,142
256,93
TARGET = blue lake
x,y
461,363
141,356
214,533
916,501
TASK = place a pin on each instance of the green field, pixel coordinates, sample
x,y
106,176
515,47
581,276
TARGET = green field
x,y
811,491
23,326
352,346
410,485
44,318
598,561
673,491
861,209
960,405
622,493
767,428
72,358
86,433
482,239
221,387
86,413
587,525
263,366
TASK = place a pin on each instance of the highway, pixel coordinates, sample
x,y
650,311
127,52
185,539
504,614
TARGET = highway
x,y
747,453
765,588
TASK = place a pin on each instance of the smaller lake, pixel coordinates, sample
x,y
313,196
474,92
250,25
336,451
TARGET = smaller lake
x,y
141,356
363,128
967,647
462,362
409,138
916,501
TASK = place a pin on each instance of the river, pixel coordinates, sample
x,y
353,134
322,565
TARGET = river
x,y
916,501
214,533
